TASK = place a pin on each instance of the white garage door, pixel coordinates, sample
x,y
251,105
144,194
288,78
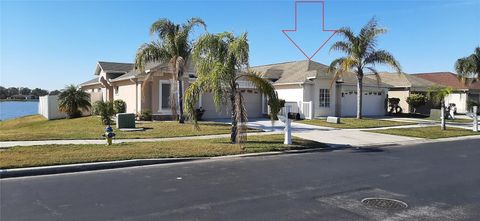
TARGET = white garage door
x,y
253,102
373,104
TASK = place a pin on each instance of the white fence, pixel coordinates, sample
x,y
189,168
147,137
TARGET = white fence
x,y
304,108
48,107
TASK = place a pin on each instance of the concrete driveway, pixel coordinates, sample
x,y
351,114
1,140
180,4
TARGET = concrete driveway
x,y
332,136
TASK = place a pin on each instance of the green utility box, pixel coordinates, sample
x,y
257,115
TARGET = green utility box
x,y
125,120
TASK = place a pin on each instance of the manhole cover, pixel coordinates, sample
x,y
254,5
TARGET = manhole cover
x,y
383,203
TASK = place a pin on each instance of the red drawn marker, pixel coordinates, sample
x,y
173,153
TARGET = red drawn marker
x,y
295,29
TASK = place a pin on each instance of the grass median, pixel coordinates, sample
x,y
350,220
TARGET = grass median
x,y
31,156
353,123
36,127
433,132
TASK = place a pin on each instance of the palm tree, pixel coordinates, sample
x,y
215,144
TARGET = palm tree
x,y
437,94
72,100
173,46
221,62
361,53
468,68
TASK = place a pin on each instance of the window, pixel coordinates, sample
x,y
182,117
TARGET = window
x,y
165,96
324,98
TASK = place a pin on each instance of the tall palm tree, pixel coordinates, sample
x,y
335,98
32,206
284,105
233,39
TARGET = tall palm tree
x,y
221,63
468,68
361,53
71,100
173,46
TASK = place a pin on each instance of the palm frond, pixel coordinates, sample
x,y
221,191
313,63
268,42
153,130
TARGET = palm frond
x,y
265,87
343,46
383,57
377,76
151,52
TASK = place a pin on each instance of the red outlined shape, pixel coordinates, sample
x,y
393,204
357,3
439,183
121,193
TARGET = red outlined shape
x,y
295,29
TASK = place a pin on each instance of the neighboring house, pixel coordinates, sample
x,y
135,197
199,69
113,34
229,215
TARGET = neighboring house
x,y
115,81
461,94
402,86
307,87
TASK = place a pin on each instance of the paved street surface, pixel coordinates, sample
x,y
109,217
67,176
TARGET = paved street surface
x,y
438,181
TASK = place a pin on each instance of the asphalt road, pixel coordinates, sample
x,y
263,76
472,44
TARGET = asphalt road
x,y
438,182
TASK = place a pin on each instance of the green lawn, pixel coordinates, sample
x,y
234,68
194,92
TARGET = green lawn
x,y
30,156
353,123
433,132
36,127
457,120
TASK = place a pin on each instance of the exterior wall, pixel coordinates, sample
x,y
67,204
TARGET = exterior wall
x,y
402,94
315,98
460,101
126,91
290,93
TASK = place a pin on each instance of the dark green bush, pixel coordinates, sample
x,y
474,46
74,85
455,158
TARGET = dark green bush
x,y
119,106
95,107
105,110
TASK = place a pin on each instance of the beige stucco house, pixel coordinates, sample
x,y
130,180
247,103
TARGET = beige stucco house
x,y
403,85
115,81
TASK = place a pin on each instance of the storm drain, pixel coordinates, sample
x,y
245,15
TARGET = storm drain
x,y
384,203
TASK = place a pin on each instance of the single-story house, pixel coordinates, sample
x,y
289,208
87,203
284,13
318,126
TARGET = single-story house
x,y
115,81
307,86
402,86
462,93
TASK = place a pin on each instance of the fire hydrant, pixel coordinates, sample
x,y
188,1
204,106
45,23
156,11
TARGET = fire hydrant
x,y
109,135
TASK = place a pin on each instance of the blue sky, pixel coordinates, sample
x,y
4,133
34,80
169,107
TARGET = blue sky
x,y
49,44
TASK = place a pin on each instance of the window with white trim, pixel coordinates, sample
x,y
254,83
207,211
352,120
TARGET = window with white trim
x,y
165,95
324,98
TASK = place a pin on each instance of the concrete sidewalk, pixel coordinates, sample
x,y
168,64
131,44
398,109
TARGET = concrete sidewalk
x,y
7,144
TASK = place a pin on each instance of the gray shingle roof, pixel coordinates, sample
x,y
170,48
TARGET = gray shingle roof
x,y
292,72
115,66
396,80
89,82
131,74
301,71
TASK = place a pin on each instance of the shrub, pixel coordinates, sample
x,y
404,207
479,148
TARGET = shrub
x,y
105,110
416,100
145,115
95,107
72,100
119,106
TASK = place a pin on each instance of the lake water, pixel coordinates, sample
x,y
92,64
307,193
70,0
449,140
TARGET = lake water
x,y
14,109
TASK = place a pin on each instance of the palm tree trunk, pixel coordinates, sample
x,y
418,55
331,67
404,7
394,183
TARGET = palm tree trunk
x,y
234,129
180,101
359,96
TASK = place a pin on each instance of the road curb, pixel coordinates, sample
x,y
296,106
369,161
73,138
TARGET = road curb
x,y
69,168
